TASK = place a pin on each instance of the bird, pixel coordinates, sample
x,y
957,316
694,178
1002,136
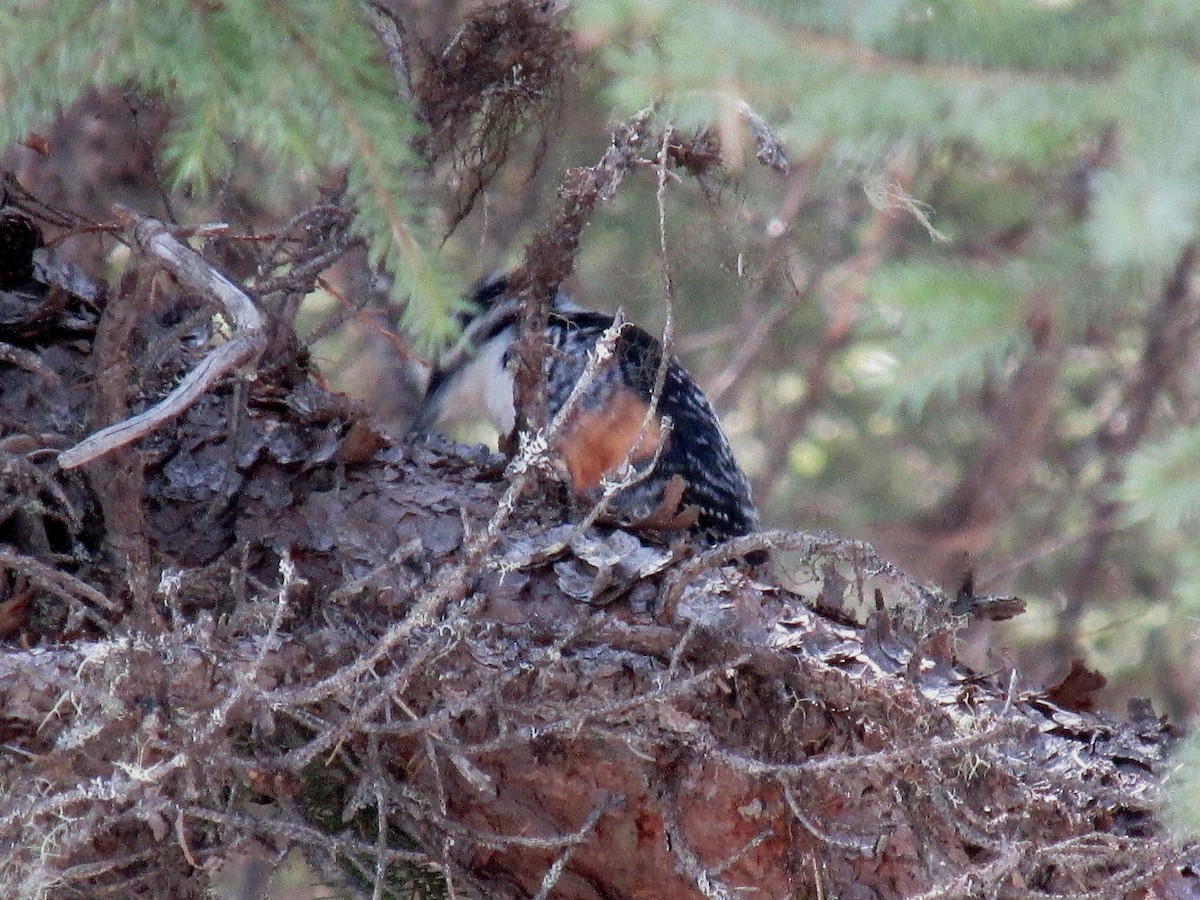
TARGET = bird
x,y
671,457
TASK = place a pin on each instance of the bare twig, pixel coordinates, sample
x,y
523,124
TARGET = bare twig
x,y
550,258
29,361
154,239
299,833
626,475
916,754
555,871
704,879
325,236
764,835
970,882
757,327
390,30
64,585
182,838
769,149
602,712
858,845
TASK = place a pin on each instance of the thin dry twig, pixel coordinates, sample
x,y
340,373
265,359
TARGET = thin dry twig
x,y
325,237
626,475
968,883
769,149
703,878
29,361
550,258
554,873
156,240
740,853
916,754
845,286
60,583
583,714
300,833
389,29
858,845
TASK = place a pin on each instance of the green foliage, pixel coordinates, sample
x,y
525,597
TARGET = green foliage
x,y
958,326
1186,588
696,55
302,81
1162,483
1000,34
1147,202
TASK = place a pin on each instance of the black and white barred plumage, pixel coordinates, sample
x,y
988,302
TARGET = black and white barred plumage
x,y
680,443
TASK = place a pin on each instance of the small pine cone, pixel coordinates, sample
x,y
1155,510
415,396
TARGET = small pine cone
x,y
19,237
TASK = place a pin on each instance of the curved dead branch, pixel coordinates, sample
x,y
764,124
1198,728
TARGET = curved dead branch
x,y
154,239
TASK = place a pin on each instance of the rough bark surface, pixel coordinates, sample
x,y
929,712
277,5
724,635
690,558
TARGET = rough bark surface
x,y
266,625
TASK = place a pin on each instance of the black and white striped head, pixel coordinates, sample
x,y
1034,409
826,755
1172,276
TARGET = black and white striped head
x,y
472,381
